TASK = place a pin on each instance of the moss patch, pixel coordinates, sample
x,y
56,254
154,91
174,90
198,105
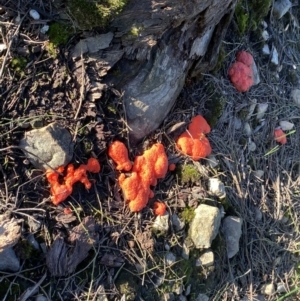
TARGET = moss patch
x,y
59,34
249,14
89,14
188,174
187,214
127,284
214,106
18,64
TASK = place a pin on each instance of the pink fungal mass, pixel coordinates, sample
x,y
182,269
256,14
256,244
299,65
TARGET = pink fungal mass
x,y
241,73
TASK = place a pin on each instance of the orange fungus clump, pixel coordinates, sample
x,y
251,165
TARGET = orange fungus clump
x,y
193,141
146,170
241,72
119,153
60,190
159,208
280,136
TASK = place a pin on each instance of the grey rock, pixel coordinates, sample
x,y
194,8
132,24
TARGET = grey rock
x,y
202,297
256,78
275,59
265,35
266,50
9,260
281,288
280,8
170,258
50,146
161,223
206,259
181,298
178,224
92,44
232,228
295,94
205,225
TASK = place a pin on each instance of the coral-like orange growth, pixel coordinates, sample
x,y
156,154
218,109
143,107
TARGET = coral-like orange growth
x,y
245,58
241,73
193,141
147,168
172,167
59,192
280,136
119,153
159,208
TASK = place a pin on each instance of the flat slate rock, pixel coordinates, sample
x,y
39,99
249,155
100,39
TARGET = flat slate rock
x,y
50,146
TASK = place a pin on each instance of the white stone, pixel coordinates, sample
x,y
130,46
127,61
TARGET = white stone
x,y
265,35
161,223
286,125
205,225
232,228
44,29
216,188
280,8
266,50
274,58
295,94
34,14
206,259
261,109
268,289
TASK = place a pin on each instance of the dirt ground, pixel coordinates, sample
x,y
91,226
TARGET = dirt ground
x,y
37,87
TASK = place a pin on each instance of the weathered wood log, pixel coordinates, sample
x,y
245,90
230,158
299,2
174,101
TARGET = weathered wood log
x,y
154,46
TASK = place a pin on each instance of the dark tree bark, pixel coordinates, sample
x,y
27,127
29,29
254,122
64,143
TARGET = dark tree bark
x,y
154,46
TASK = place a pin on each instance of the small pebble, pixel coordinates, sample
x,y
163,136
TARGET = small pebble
x,y
34,14
44,29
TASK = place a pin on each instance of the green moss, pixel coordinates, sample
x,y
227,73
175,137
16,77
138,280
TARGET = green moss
x,y
187,214
242,17
18,64
188,174
89,14
249,14
214,106
59,33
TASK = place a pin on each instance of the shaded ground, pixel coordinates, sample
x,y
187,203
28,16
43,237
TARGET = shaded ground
x,y
37,87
